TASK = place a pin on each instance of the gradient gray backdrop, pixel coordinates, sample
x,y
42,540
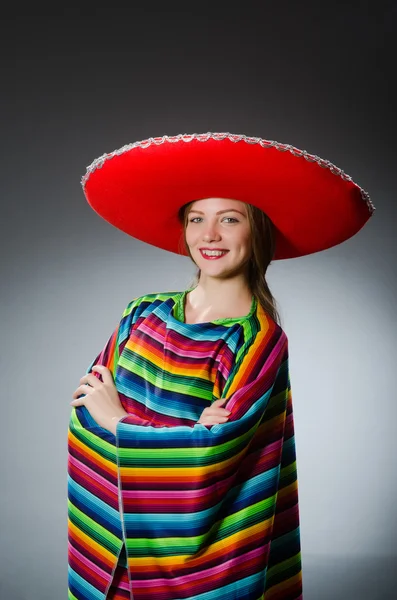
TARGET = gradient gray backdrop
x,y
316,75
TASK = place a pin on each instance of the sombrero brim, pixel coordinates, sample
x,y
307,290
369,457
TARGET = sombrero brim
x,y
140,187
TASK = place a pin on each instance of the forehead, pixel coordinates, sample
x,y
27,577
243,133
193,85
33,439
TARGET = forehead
x,y
215,204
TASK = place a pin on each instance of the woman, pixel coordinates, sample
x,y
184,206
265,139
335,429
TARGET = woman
x,y
182,466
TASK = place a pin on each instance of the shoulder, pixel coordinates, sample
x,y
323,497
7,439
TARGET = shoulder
x,y
148,302
267,326
140,307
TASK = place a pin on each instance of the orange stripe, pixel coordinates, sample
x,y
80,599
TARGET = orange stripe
x,y
255,350
292,585
177,474
214,551
245,566
91,545
92,455
155,357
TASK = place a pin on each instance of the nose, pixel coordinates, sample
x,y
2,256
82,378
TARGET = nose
x,y
211,233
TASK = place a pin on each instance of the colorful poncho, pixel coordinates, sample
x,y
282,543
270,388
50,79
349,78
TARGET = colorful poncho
x,y
200,512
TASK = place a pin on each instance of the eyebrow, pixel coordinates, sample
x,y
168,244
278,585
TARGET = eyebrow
x,y
220,212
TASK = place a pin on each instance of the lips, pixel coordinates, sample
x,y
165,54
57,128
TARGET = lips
x,y
213,256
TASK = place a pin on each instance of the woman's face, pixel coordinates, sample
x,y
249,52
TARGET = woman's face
x,y
218,235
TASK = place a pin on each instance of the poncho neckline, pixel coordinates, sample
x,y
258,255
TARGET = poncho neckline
x,y
178,313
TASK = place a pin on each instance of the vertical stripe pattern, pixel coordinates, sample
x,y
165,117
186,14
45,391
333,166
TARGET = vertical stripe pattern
x,y
172,509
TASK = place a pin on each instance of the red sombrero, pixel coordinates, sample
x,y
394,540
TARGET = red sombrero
x,y
140,187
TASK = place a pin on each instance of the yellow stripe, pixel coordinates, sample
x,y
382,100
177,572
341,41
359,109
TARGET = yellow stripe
x,y
90,451
264,328
274,591
214,548
189,472
96,548
154,360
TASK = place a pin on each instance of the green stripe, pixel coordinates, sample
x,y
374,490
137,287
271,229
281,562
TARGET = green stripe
x,y
235,523
288,475
99,445
184,456
163,379
93,529
284,570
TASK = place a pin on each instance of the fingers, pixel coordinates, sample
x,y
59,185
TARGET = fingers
x,y
94,381
215,414
79,399
216,409
93,390
82,389
219,402
106,373
208,420
90,381
77,402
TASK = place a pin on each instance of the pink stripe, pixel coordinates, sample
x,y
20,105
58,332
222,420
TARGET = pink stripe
x,y
159,337
204,354
273,355
232,564
224,370
82,467
265,368
187,353
215,488
91,566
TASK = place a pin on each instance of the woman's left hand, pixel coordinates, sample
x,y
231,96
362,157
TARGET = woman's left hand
x,y
101,398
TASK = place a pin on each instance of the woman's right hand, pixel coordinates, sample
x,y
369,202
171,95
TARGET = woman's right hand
x,y
215,414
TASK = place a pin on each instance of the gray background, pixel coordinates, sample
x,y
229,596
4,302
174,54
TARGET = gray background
x,y
77,85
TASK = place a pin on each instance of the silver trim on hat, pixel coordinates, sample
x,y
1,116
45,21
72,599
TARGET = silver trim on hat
x,y
204,137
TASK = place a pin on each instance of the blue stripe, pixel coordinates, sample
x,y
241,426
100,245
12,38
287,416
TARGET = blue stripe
x,y
94,508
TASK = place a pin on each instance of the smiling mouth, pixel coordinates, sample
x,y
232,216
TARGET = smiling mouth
x,y
213,254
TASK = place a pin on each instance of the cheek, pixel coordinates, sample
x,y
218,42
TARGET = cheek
x,y
188,237
245,243
246,248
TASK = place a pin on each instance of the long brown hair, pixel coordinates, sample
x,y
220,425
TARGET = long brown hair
x,y
263,248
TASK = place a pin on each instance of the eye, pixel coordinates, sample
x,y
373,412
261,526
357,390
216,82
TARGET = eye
x,y
231,219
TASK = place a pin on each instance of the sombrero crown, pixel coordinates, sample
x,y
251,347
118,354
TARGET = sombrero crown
x,y
139,189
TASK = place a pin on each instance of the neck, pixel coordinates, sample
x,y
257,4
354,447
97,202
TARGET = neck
x,y
220,293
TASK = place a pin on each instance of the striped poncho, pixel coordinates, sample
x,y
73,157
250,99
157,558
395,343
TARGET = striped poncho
x,y
169,508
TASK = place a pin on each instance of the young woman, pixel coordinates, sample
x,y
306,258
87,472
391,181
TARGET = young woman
x,y
182,465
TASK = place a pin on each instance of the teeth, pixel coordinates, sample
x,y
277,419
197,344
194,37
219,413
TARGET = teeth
x,y
213,252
